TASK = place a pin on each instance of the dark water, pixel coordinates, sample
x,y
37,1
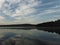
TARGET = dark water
x,y
44,36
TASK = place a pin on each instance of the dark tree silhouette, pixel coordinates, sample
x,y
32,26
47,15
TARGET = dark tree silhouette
x,y
50,24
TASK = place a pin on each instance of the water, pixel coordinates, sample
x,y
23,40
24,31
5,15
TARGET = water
x,y
45,36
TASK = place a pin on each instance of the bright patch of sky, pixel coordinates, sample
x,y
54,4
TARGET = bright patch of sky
x,y
29,11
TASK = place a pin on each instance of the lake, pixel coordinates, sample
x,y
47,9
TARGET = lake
x,y
44,36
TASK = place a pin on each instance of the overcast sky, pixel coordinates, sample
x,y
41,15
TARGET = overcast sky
x,y
29,11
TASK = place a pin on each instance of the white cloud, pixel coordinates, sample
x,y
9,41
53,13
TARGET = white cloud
x,y
13,1
26,9
34,2
57,17
49,11
24,12
1,17
1,2
26,20
2,20
21,10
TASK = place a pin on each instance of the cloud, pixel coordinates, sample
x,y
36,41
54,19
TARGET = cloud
x,y
1,2
52,10
57,6
12,9
19,7
49,11
26,20
2,20
28,11
22,12
1,17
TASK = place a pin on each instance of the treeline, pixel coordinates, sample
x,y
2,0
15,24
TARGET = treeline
x,y
46,24
17,25
50,24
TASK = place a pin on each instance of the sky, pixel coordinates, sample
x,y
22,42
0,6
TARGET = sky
x,y
29,11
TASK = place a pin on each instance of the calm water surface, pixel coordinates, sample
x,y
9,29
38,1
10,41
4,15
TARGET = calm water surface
x,y
33,34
